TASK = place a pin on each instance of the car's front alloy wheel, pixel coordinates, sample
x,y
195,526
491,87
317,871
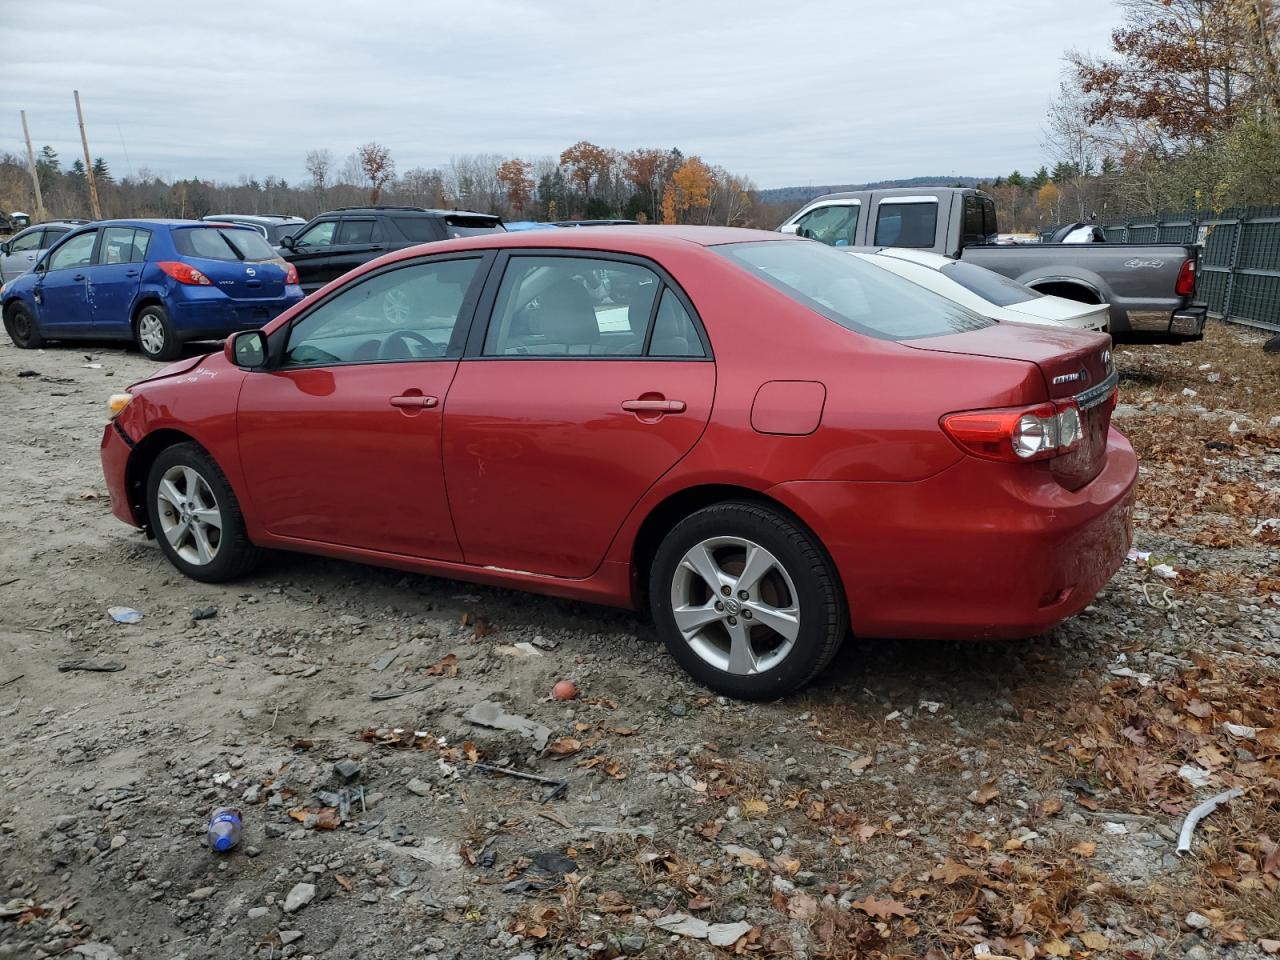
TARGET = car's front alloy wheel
x,y
746,600
195,516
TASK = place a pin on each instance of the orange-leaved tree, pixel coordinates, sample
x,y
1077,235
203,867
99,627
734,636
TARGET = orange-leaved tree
x,y
514,176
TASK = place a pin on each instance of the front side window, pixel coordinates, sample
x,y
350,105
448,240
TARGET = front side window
x,y
321,235
76,252
405,314
571,306
988,284
123,245
359,231
27,242
832,225
906,224
851,292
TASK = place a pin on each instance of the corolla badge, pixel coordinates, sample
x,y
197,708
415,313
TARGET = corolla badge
x,y
1137,263
1080,376
250,272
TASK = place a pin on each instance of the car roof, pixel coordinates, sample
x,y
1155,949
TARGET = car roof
x,y
622,239
411,211
266,219
158,222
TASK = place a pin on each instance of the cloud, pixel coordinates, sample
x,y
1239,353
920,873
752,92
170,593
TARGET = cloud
x,y
786,93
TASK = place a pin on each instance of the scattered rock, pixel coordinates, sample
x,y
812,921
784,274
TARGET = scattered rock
x,y
299,897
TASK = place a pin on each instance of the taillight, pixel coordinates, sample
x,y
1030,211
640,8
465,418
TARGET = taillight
x,y
290,274
1017,434
184,273
1186,282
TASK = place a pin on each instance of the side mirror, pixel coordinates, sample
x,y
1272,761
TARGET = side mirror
x,y
247,349
4,248
790,228
287,241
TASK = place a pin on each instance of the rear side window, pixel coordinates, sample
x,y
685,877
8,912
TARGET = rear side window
x,y
222,243
674,334
900,224
988,284
417,229
571,307
123,245
359,231
851,292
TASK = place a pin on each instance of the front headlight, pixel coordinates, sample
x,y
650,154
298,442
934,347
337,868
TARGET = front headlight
x,y
118,401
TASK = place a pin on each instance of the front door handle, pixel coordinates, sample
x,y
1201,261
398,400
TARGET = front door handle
x,y
416,400
653,406
78,276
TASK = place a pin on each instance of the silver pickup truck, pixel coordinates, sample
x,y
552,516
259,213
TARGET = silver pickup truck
x,y
1149,287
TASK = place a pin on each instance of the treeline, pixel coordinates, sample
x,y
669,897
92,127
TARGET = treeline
x,y
586,181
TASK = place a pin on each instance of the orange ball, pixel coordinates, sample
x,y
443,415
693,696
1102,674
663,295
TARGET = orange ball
x,y
564,690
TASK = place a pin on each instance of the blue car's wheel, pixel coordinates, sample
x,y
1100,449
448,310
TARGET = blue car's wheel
x,y
21,327
155,335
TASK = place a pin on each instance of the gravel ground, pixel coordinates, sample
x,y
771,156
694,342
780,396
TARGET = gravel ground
x,y
921,800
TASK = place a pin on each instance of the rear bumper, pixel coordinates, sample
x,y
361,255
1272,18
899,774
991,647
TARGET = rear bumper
x,y
116,447
217,315
1163,326
980,550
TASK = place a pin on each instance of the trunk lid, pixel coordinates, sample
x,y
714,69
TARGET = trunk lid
x,y
244,280
1081,316
1075,365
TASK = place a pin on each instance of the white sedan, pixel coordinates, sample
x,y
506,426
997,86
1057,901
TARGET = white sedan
x,y
985,291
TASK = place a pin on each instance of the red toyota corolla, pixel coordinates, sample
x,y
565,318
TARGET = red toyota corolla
x,y
767,441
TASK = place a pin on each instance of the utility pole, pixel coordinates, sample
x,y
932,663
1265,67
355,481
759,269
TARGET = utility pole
x,y
35,175
88,163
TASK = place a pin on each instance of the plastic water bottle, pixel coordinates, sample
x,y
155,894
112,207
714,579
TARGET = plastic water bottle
x,y
224,829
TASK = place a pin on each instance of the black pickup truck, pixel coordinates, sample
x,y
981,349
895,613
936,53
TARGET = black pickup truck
x,y
1149,287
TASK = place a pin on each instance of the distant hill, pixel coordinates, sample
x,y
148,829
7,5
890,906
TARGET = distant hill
x,y
799,195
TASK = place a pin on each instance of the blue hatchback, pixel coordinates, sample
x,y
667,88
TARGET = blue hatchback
x,y
159,283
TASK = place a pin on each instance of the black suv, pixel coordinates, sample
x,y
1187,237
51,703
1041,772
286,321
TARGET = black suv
x,y
340,240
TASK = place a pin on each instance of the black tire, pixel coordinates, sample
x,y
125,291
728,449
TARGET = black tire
x,y
234,555
22,327
823,620
157,319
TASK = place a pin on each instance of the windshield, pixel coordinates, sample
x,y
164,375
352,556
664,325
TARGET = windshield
x,y
853,293
222,243
988,284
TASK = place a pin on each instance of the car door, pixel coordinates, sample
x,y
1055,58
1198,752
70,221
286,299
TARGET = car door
x,y
114,278
572,403
359,240
21,254
310,254
61,293
341,443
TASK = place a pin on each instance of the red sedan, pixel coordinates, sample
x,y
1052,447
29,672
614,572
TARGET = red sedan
x,y
766,441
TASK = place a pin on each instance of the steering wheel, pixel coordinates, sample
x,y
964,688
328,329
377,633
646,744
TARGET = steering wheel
x,y
396,346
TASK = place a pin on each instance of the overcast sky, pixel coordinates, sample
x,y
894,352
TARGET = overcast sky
x,y
787,93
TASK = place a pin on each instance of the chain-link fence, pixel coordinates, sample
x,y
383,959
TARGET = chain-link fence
x,y
1239,257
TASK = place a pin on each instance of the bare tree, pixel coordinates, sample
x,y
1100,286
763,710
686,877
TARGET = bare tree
x,y
378,167
319,163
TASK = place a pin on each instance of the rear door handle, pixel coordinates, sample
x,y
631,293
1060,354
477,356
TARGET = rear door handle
x,y
653,406
414,400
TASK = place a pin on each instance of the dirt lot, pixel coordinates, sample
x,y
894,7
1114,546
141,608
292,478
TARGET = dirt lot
x,y
922,800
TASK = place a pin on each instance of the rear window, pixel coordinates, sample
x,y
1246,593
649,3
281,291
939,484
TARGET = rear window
x,y
988,284
906,224
853,293
471,226
285,230
222,243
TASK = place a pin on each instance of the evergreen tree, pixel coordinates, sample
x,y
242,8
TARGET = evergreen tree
x,y
101,171
1041,177
1016,179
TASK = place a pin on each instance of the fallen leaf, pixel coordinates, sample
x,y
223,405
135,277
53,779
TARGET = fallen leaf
x,y
984,794
1050,807
343,881
1269,946
445,667
882,909
755,807
564,746
950,871
701,903
1056,948
802,907
1094,940
622,731
1086,848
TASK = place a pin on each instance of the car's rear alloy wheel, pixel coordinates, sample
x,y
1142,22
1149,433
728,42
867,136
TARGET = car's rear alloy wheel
x,y
746,601
22,329
195,516
155,335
